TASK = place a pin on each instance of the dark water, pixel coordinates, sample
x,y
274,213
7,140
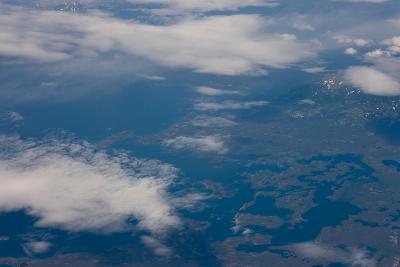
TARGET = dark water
x,y
140,108
326,213
266,206
388,128
392,163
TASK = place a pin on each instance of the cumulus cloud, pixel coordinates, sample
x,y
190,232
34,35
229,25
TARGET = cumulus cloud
x,y
377,53
209,143
36,247
372,81
344,39
73,186
326,253
393,44
299,22
350,51
395,40
158,248
207,121
230,45
210,91
214,106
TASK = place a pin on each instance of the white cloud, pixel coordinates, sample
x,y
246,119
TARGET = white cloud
x,y
394,49
393,44
366,1
307,101
209,143
158,248
395,40
300,23
153,77
344,39
361,42
372,81
370,1
231,45
377,53
36,247
73,186
315,250
205,90
326,253
213,106
206,121
182,6
14,116
350,51
314,70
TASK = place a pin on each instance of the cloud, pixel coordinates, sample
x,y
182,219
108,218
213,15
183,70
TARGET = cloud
x,y
372,81
158,248
395,40
315,250
314,70
230,45
209,143
365,1
184,6
392,48
344,39
73,186
300,23
12,116
206,121
326,253
153,77
205,90
213,106
307,101
377,53
36,247
393,44
350,51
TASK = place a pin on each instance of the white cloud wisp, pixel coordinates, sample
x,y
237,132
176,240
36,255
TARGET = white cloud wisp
x,y
185,6
210,143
